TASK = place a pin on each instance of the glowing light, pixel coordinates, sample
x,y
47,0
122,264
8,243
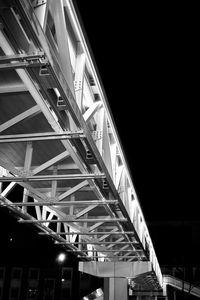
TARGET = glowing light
x,y
61,258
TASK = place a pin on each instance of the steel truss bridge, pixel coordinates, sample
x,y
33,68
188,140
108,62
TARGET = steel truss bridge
x,y
59,144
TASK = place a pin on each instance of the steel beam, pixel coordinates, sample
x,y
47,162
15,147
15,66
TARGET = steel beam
x,y
52,177
22,57
118,240
79,76
116,251
13,88
73,190
85,211
49,163
21,65
92,110
45,136
99,243
27,166
22,61
73,219
29,112
94,250
63,203
96,225
108,257
107,234
89,233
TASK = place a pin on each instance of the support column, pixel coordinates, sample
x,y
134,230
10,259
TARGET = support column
x,y
115,289
115,275
174,294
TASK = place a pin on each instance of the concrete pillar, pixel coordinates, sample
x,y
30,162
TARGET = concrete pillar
x,y
115,275
115,289
115,269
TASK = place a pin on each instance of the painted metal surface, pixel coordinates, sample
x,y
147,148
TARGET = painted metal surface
x,y
181,285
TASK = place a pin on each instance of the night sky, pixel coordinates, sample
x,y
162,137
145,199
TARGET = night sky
x,y
147,59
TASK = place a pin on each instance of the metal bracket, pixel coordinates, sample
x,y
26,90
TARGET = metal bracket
x,y
23,61
22,57
105,184
37,3
77,85
61,104
44,71
97,135
89,157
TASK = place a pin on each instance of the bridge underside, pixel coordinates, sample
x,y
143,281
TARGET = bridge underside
x,y
61,164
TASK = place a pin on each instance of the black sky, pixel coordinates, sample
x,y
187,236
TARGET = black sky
x,y
147,57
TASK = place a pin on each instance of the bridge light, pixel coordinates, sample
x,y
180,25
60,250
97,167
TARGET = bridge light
x,y
61,258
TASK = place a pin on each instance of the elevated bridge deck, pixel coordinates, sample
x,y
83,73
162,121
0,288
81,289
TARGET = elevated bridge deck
x,y
58,141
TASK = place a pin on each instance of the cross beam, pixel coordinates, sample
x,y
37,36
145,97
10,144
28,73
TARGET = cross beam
x,y
95,250
73,219
44,136
51,177
88,233
107,257
21,57
63,203
98,243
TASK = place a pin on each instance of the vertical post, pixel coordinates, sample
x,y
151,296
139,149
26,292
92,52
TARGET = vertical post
x,y
2,173
71,208
165,291
54,184
174,295
115,289
79,76
106,146
27,166
99,120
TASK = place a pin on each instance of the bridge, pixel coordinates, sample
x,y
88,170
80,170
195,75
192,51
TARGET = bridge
x,y
60,153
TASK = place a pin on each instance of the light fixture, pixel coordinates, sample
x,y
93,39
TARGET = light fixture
x,y
61,258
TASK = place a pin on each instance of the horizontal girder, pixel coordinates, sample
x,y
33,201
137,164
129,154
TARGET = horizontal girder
x,y
63,203
73,219
52,177
99,243
90,233
40,137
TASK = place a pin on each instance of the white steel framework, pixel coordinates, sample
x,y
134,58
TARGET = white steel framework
x,y
58,142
